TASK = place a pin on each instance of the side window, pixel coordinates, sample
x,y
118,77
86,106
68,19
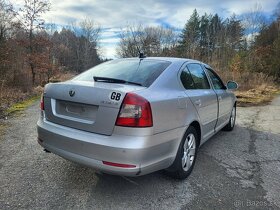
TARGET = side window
x,y
186,79
198,75
216,80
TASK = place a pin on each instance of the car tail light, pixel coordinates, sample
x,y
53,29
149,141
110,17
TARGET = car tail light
x,y
135,112
120,165
42,105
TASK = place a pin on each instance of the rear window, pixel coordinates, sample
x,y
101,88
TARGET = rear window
x,y
144,72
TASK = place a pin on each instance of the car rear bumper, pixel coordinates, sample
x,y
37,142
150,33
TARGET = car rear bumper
x,y
147,153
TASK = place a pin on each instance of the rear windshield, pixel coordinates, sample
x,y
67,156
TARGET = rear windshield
x,y
144,71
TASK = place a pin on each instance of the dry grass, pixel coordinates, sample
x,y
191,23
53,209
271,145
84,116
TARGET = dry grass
x,y
260,95
249,80
254,88
9,96
14,100
62,77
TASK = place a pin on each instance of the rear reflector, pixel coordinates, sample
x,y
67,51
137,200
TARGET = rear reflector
x,y
120,165
135,112
42,105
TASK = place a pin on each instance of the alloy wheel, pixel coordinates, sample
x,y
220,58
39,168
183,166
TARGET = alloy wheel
x,y
189,152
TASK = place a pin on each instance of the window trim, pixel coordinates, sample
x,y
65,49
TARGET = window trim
x,y
209,78
205,75
185,65
183,69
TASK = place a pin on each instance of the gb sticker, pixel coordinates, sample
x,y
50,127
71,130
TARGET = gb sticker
x,y
115,96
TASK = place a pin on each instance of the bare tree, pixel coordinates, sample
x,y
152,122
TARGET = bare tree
x,y
254,21
277,12
6,25
6,16
31,20
91,32
90,29
86,44
153,41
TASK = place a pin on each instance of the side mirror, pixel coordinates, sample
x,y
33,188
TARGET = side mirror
x,y
231,85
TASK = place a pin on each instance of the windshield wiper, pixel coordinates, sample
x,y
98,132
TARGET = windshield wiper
x,y
113,80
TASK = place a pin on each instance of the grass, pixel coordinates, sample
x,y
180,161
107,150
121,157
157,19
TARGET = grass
x,y
20,106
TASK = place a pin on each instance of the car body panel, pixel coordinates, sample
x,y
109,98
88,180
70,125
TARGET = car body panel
x,y
225,104
147,152
205,103
89,109
82,127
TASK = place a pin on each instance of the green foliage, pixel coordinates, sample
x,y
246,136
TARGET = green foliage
x,y
189,38
223,44
210,39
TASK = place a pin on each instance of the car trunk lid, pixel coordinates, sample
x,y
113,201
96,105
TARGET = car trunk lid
x,y
89,106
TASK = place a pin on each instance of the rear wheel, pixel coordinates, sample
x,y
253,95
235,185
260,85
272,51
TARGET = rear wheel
x,y
231,123
186,155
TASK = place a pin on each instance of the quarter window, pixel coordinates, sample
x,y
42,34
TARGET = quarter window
x,y
186,79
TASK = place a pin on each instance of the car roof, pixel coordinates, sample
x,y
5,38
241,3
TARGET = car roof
x,y
172,59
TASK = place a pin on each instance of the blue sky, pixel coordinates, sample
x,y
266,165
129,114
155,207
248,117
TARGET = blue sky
x,y
113,15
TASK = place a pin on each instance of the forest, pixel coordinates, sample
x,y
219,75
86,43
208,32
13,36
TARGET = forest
x,y
33,52
243,49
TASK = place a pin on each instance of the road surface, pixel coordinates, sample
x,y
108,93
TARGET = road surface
x,y
234,170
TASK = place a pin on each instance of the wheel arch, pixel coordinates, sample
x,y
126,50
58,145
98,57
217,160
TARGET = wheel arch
x,y
197,127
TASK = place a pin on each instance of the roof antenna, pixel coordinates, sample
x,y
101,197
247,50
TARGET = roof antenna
x,y
141,55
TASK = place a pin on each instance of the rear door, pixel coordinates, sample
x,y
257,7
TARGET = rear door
x,y
202,96
224,99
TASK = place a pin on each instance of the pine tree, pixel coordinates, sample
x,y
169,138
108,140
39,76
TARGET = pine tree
x,y
189,38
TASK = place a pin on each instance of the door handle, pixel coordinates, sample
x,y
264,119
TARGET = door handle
x,y
220,98
198,102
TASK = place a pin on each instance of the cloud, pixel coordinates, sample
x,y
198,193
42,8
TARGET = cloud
x,y
115,14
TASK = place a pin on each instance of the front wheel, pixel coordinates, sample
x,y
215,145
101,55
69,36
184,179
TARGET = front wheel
x,y
231,123
186,155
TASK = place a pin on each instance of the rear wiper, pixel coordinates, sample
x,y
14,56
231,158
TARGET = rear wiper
x,y
113,80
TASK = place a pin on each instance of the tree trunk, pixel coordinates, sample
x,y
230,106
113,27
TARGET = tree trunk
x,y
33,73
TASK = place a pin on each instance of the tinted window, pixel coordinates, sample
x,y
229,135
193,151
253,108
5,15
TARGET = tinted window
x,y
186,79
217,82
198,76
144,71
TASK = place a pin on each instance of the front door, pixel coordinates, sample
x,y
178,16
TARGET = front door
x,y
202,96
224,99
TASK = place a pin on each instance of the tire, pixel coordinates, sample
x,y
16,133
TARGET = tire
x,y
186,155
232,119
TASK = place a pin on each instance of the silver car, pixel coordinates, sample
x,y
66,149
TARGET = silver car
x,y
138,115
